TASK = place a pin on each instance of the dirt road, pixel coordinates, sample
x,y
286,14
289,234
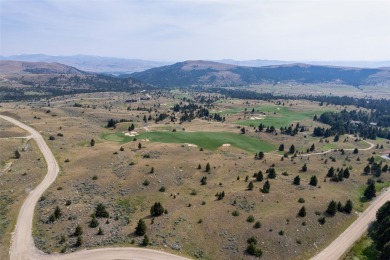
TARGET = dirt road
x,y
22,244
345,241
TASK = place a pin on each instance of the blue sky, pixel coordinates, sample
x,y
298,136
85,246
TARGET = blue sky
x,y
201,29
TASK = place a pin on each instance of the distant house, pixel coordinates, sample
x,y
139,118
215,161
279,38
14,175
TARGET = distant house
x,y
131,100
355,122
373,124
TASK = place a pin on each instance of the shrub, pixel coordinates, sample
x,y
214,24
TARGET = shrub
x,y
162,189
51,138
236,213
302,212
94,222
301,200
257,224
146,182
250,219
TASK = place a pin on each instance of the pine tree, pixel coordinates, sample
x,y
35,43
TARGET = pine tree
x,y
208,167
57,212
266,187
304,168
330,172
145,241
79,241
250,186
332,208
17,154
139,146
140,230
356,151
281,147
259,176
297,180
292,149
346,173
339,207
94,222
348,207
302,212
78,231
101,211
92,143
313,181
370,191
312,148
100,232
261,155
156,210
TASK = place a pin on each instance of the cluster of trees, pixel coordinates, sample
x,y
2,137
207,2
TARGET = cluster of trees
x,y
375,168
380,232
339,176
355,122
111,123
252,248
333,207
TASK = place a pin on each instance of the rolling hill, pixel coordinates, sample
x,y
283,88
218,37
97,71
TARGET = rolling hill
x,y
26,80
192,73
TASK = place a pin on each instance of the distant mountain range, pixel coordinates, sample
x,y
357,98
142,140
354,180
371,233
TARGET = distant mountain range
x,y
92,63
117,66
22,80
191,73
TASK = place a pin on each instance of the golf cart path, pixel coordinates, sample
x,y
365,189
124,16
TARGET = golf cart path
x,y
22,242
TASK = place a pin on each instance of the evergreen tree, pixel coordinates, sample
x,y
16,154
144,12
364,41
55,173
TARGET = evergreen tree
x,y
304,168
312,148
297,180
140,230
332,208
266,187
302,212
356,151
330,172
370,191
156,210
313,181
339,207
281,147
348,207
145,241
101,211
94,222
100,232
367,169
79,241
259,176
336,138
78,231
57,212
292,149
139,146
346,173
250,186
261,155
17,154
92,143
208,167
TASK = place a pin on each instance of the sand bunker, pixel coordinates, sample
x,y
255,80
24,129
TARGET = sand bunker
x,y
191,145
226,145
131,134
257,118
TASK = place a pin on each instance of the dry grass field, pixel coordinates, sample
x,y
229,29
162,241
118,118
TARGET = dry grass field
x,y
128,180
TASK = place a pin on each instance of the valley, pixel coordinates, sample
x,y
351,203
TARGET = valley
x,y
198,154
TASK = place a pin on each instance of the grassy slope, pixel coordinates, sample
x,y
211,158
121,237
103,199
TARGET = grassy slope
x,y
207,140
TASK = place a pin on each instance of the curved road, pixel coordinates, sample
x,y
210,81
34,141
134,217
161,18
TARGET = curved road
x,y
22,244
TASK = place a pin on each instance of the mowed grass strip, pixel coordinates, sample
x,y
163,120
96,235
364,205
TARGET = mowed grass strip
x,y
207,140
278,118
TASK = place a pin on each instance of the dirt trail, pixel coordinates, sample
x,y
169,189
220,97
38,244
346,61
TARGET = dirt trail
x,y
22,244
